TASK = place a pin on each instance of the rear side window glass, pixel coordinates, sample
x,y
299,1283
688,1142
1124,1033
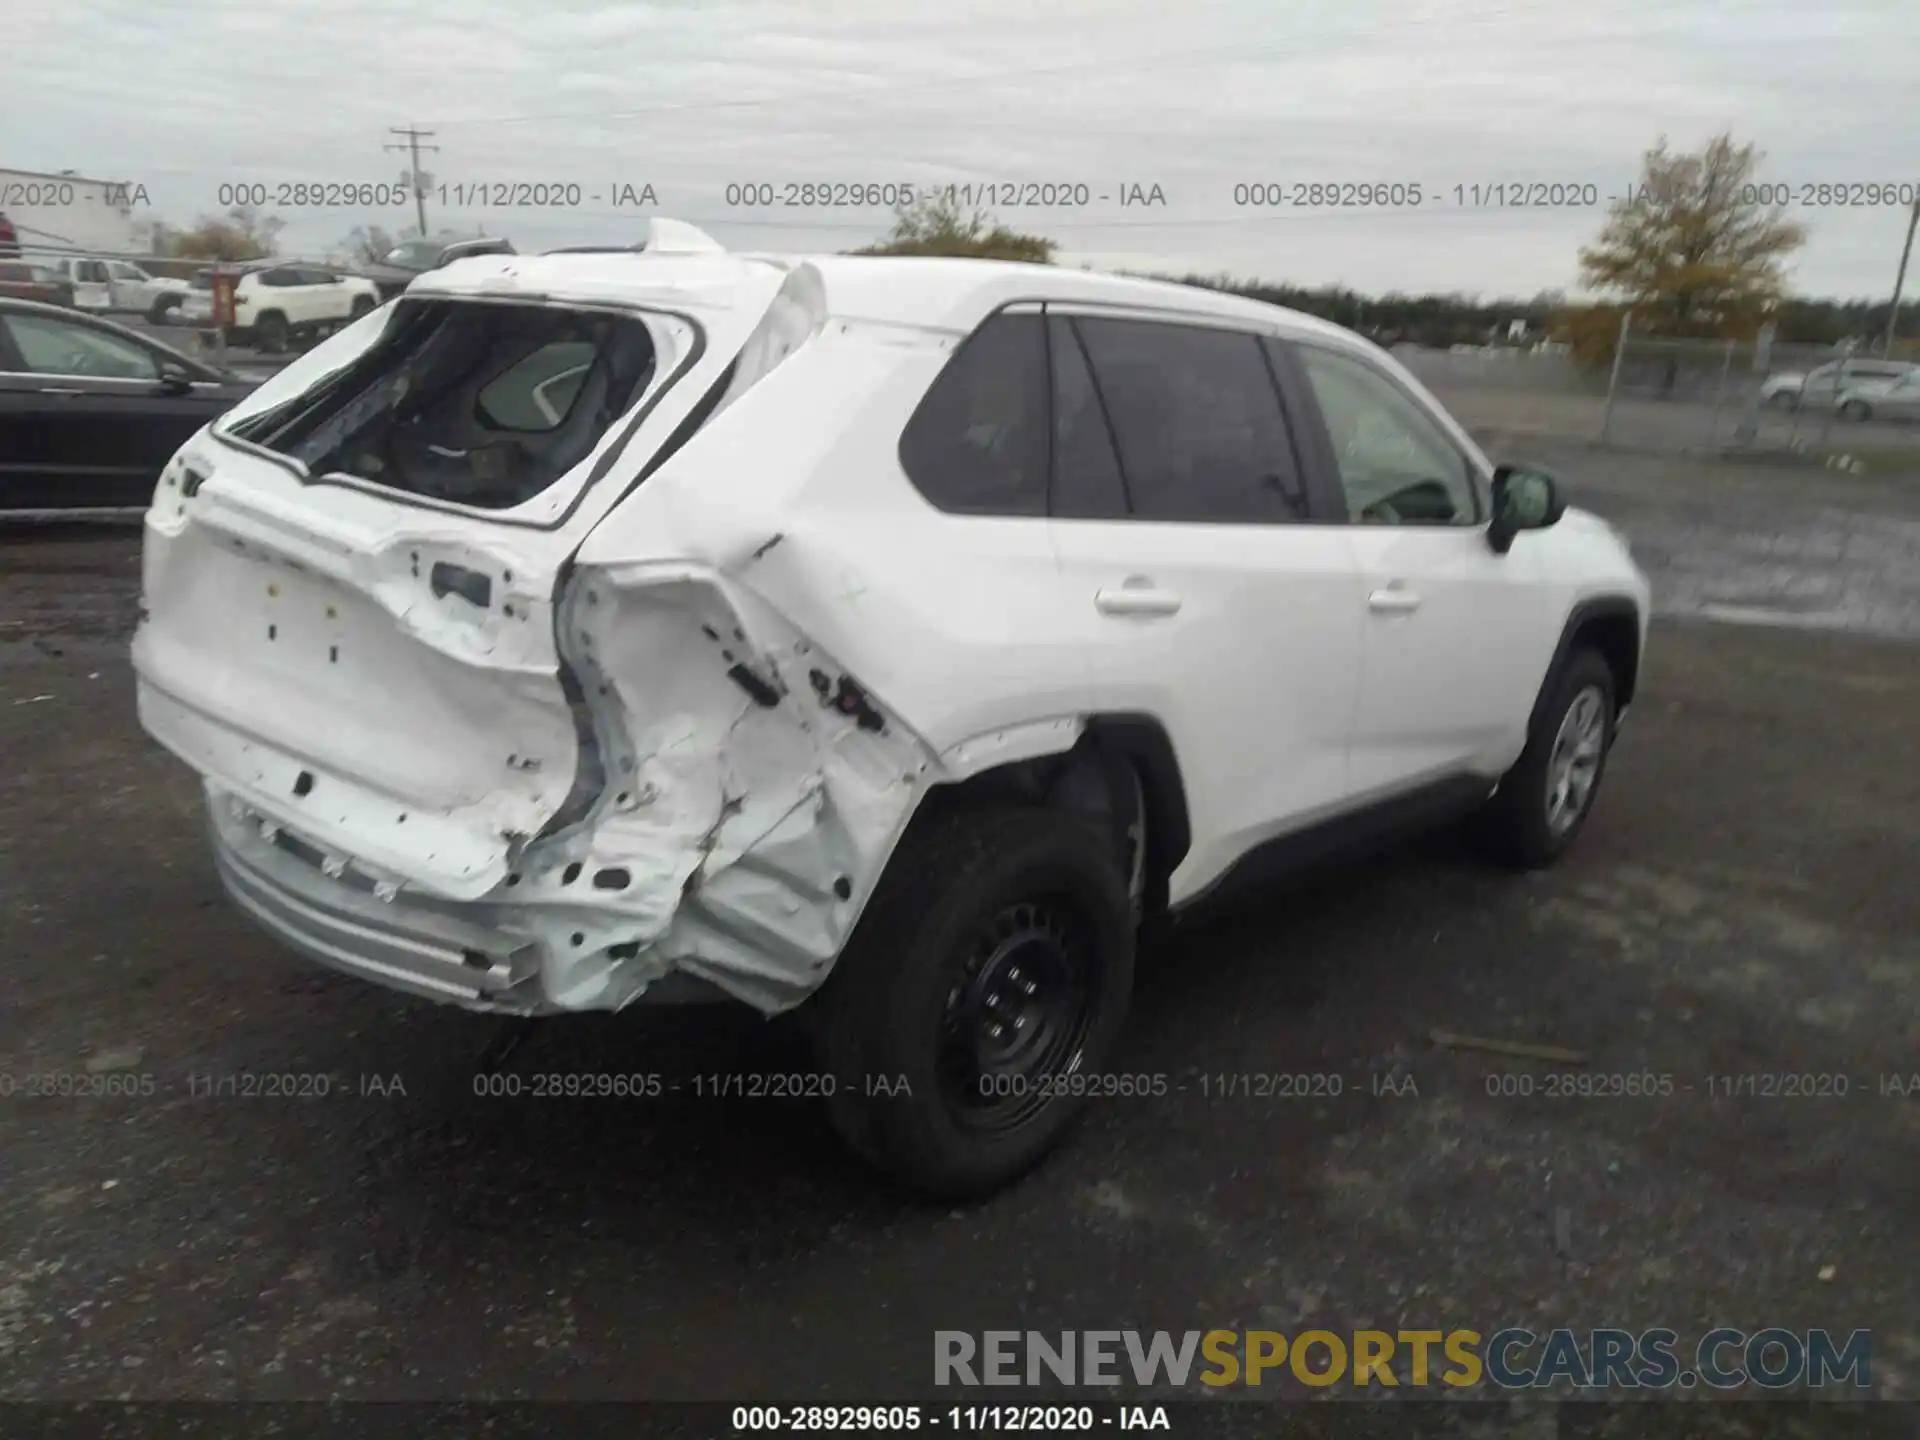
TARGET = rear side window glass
x,y
481,404
51,346
977,444
539,393
1087,483
1201,433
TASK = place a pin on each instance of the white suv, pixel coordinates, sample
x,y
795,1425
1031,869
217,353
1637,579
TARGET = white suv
x,y
277,303
884,638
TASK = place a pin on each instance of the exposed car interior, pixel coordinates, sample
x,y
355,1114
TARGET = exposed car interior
x,y
483,405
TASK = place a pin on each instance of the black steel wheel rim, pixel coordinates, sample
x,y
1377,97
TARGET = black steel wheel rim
x,y
1017,1016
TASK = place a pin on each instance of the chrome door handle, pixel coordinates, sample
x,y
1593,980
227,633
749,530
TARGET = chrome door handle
x,y
59,390
1136,599
1393,599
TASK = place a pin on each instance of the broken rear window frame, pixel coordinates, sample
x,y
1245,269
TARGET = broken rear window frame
x,y
623,435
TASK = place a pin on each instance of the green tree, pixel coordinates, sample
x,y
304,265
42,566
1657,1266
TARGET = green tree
x,y
1691,252
941,225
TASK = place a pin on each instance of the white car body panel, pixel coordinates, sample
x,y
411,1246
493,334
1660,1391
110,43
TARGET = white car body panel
x,y
1887,399
131,288
777,647
1223,683
92,289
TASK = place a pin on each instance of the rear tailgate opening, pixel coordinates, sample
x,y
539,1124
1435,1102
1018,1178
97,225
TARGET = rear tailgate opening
x,y
478,404
350,581
363,627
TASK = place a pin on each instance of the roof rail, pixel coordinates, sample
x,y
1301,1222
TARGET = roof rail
x,y
664,237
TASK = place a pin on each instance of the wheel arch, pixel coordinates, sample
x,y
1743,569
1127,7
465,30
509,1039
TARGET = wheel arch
x,y
1609,624
1090,774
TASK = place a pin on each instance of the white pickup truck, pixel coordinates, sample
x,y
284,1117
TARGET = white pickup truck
x,y
119,285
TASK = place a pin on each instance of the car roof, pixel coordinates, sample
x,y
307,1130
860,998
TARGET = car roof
x,y
915,291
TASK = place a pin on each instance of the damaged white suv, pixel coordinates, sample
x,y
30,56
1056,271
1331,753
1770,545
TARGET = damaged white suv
x,y
883,637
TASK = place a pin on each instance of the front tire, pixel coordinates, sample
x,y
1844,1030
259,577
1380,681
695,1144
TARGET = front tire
x,y
972,1012
1857,410
1545,799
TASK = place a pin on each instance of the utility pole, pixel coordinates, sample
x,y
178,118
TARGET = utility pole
x,y
413,147
1900,279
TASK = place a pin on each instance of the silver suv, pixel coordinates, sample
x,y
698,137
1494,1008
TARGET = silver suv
x,y
1789,389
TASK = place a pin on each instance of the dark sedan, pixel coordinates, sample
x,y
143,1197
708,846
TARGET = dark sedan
x,y
91,411
407,262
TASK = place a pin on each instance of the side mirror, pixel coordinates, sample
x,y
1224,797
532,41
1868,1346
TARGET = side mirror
x,y
175,379
1523,499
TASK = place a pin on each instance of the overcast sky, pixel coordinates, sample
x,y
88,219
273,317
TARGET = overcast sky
x,y
1195,98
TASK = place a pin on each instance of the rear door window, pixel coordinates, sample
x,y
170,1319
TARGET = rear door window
x,y
480,404
1087,482
977,443
1197,417
61,347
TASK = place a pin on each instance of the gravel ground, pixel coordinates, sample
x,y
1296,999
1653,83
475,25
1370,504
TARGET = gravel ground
x,y
1742,904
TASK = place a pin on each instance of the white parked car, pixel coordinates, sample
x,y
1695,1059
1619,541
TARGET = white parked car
x,y
1789,390
1897,399
277,302
884,638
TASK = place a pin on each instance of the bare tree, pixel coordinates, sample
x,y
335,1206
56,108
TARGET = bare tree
x,y
244,234
369,244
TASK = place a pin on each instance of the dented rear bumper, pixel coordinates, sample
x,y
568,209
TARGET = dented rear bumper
x,y
478,956
448,951
740,798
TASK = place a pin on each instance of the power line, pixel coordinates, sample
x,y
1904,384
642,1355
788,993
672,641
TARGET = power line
x,y
414,177
1899,280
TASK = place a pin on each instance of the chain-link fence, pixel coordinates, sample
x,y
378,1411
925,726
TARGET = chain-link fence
x,y
1716,396
1685,397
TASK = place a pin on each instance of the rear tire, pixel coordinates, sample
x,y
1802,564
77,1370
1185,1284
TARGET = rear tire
x,y
162,304
990,973
362,305
1783,400
1545,799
